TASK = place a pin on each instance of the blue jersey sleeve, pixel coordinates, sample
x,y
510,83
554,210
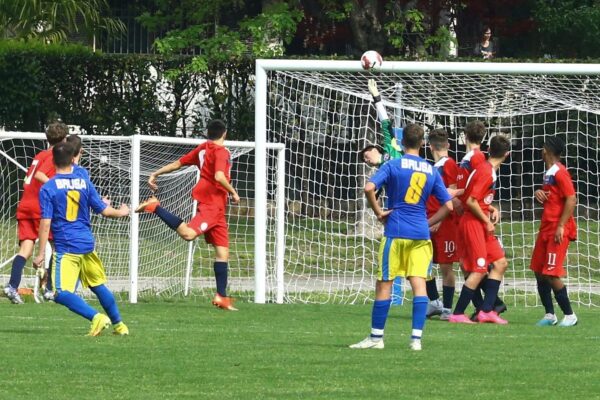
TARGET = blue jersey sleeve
x,y
381,176
96,202
46,206
439,189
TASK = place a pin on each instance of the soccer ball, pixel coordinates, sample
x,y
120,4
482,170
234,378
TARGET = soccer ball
x,y
371,59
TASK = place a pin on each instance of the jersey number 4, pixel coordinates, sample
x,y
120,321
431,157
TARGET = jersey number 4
x,y
415,190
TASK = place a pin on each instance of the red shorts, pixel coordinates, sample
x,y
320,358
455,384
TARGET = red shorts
x,y
210,221
29,229
445,249
479,248
548,256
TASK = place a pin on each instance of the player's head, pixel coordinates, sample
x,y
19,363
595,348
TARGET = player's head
x,y
475,132
62,153
554,147
75,141
412,138
56,132
438,140
499,147
372,155
216,129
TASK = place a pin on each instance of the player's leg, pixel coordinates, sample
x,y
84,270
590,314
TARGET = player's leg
x,y
152,205
448,288
492,286
435,305
389,263
553,271
562,298
16,270
93,276
65,274
538,260
419,255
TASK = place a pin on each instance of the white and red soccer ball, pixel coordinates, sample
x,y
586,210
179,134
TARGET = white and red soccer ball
x,y
371,60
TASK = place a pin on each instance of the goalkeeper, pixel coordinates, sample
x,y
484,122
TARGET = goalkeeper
x,y
376,156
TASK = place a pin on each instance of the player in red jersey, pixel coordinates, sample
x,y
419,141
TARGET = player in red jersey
x,y
213,160
474,134
557,230
442,234
28,209
480,245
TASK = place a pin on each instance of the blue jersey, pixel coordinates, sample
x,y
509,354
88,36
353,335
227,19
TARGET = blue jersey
x,y
80,171
409,181
67,199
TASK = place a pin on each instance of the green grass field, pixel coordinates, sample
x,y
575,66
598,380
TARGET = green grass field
x,y
188,349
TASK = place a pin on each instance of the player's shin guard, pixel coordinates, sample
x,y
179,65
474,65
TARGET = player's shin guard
x,y
448,296
379,316
492,286
419,310
545,292
75,304
108,303
466,295
16,271
562,298
220,268
432,291
172,221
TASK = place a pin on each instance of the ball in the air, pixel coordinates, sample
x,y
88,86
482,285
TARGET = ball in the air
x,y
371,60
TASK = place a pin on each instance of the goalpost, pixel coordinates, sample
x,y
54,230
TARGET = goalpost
x,y
142,256
323,113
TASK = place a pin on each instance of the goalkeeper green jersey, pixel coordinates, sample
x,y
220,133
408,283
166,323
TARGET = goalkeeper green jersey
x,y
391,148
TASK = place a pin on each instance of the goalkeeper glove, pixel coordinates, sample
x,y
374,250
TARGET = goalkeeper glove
x,y
374,91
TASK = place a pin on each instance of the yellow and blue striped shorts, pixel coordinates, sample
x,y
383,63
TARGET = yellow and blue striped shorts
x,y
404,257
68,269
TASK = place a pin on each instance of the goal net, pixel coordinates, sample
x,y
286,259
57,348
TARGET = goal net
x,y
142,256
323,113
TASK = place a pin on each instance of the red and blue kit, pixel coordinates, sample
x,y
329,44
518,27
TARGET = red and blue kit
x,y
210,195
479,247
548,255
444,242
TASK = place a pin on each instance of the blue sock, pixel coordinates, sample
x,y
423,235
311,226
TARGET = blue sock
x,y
491,294
448,295
379,316
172,221
466,295
75,304
545,292
477,295
220,268
432,292
419,310
562,298
16,271
107,301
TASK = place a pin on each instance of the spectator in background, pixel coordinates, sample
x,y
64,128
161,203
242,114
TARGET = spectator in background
x,y
486,47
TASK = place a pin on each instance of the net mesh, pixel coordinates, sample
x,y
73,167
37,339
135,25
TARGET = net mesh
x,y
163,257
325,118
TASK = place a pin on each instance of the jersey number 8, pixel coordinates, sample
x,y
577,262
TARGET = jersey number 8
x,y
414,192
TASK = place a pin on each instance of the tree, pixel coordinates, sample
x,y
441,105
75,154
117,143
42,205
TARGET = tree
x,y
54,20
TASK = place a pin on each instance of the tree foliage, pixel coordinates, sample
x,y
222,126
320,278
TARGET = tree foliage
x,y
54,20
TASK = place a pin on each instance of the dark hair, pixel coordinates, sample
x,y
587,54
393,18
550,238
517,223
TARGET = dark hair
x,y
485,29
369,148
216,129
413,136
62,154
438,139
56,132
475,131
499,146
554,145
75,141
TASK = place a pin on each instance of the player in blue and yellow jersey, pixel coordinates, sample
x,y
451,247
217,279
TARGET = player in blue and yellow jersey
x,y
65,203
406,248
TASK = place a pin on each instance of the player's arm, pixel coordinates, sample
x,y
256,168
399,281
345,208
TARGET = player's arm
x,y
221,179
99,206
442,195
480,185
370,194
474,207
174,166
43,234
42,177
565,184
384,119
